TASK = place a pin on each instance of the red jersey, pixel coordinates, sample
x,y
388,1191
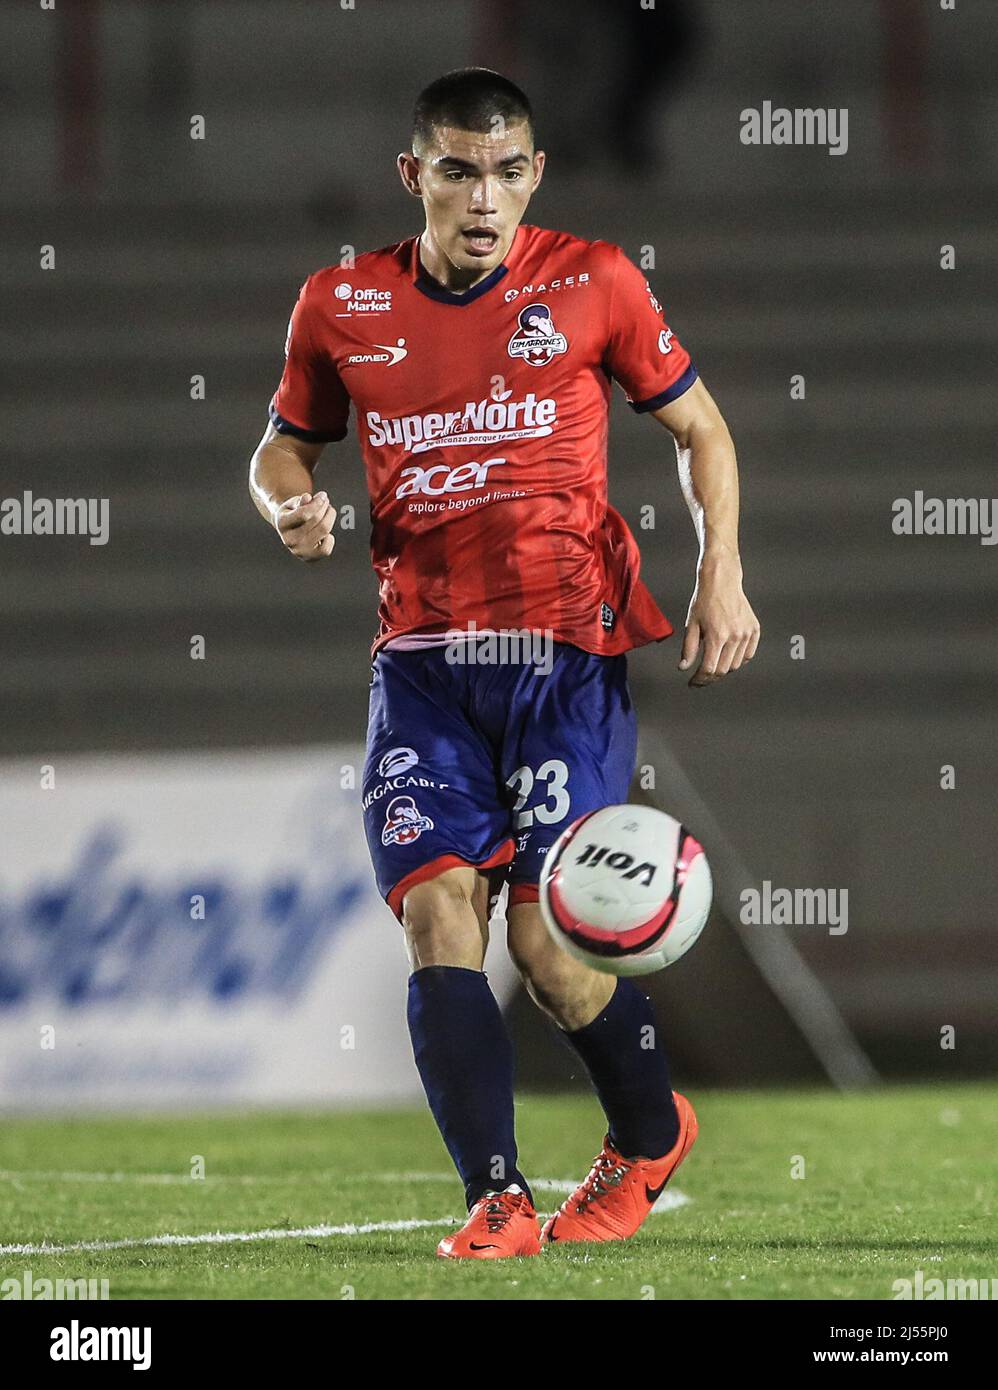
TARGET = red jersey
x,y
483,425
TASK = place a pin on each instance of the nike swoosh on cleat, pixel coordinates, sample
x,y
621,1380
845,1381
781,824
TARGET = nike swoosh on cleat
x,y
473,1246
653,1193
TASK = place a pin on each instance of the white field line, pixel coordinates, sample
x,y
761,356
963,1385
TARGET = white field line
x,y
668,1201
227,1237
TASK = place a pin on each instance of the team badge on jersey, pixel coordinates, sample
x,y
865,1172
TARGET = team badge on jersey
x,y
536,339
404,822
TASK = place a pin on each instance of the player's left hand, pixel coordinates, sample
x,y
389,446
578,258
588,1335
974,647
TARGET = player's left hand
x,y
721,620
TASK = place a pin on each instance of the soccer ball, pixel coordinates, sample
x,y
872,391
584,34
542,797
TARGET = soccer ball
x,y
627,890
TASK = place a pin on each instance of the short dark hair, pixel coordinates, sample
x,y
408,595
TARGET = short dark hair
x,y
468,98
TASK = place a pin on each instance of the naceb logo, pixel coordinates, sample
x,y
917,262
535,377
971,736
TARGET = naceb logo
x,y
569,282
536,340
403,822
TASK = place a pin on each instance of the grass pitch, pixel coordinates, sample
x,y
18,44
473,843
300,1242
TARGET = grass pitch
x,y
894,1181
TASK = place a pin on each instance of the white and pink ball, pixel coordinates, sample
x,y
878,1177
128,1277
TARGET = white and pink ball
x,y
626,889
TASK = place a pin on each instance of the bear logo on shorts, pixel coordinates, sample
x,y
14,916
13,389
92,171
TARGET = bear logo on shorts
x,y
403,822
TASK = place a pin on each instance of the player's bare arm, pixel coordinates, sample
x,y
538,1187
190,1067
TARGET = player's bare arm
x,y
280,483
720,617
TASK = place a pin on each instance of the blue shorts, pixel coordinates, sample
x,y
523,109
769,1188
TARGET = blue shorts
x,y
487,764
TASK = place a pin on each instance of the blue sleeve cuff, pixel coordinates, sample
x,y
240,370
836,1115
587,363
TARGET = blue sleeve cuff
x,y
671,393
283,426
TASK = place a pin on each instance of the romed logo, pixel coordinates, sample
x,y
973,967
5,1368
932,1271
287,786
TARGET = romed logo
x,y
385,355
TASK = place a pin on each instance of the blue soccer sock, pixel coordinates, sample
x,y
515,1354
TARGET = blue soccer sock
x,y
624,1055
465,1060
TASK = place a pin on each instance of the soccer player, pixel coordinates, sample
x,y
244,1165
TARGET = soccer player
x,y
478,358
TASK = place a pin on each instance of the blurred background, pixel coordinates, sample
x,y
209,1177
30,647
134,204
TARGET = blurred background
x,y
185,896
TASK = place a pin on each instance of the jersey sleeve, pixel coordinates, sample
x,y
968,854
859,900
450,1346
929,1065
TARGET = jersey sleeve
x,y
311,402
642,353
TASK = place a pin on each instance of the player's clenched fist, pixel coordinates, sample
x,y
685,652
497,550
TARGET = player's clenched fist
x,y
305,525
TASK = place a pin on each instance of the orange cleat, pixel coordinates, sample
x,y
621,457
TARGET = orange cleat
x,y
498,1225
620,1192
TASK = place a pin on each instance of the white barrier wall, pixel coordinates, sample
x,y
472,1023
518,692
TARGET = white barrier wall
x,y
194,930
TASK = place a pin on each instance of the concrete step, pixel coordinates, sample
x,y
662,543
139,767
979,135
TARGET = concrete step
x,y
835,504
166,263
829,367
333,652
64,349
237,420
790,458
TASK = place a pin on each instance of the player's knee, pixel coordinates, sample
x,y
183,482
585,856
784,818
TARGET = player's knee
x,y
443,921
566,989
